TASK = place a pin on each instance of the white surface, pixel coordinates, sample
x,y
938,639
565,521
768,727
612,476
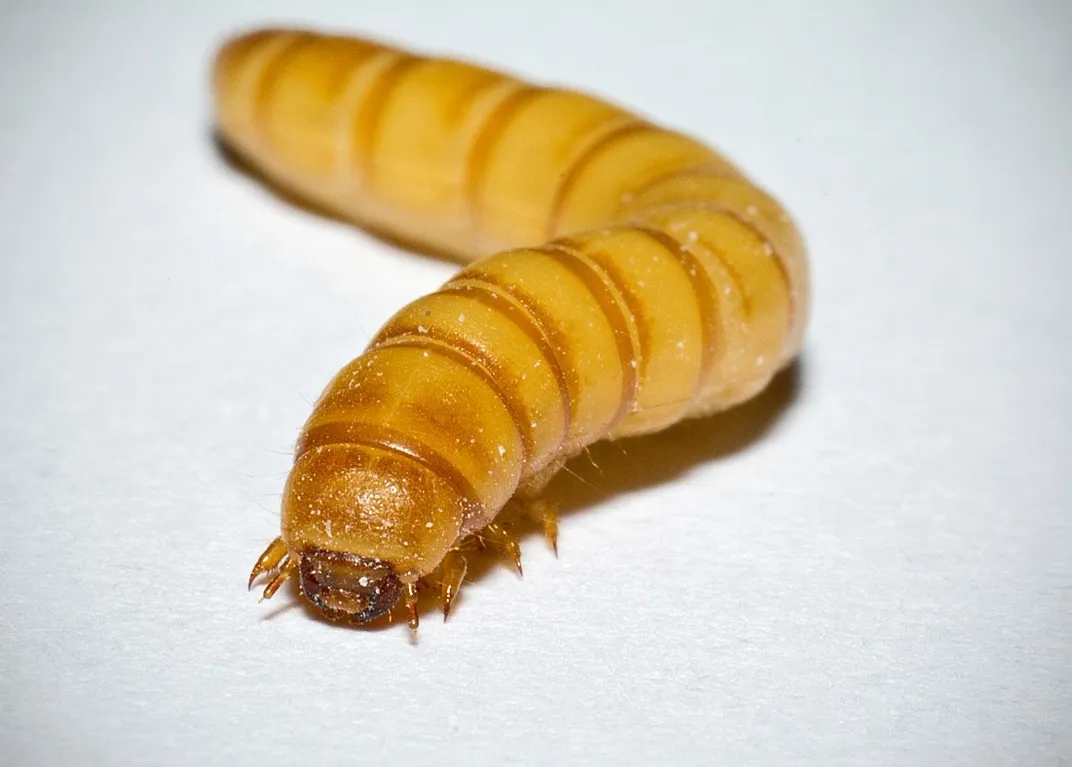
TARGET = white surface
x,y
871,567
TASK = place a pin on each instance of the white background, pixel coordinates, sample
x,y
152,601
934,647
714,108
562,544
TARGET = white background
x,y
868,565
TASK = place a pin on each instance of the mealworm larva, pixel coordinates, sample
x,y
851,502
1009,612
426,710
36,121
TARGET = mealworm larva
x,y
618,277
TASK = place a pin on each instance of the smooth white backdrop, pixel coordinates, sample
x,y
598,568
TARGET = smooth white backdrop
x,y
868,565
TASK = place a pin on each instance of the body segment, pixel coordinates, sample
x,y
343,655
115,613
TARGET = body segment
x,y
619,277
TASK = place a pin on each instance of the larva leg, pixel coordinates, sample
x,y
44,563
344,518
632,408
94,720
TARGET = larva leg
x,y
538,509
286,569
269,560
411,606
498,536
546,513
524,509
452,573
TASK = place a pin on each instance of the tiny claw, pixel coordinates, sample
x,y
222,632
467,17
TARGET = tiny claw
x,y
287,569
269,560
507,542
411,606
454,566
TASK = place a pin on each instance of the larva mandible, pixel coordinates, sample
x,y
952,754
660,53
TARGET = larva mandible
x,y
617,277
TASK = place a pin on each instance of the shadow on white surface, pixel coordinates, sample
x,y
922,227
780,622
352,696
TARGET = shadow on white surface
x,y
612,468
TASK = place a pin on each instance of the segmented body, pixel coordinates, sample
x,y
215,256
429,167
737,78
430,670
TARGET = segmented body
x,y
620,277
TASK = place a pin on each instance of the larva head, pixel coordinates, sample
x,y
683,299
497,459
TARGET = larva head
x,y
346,586
362,522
